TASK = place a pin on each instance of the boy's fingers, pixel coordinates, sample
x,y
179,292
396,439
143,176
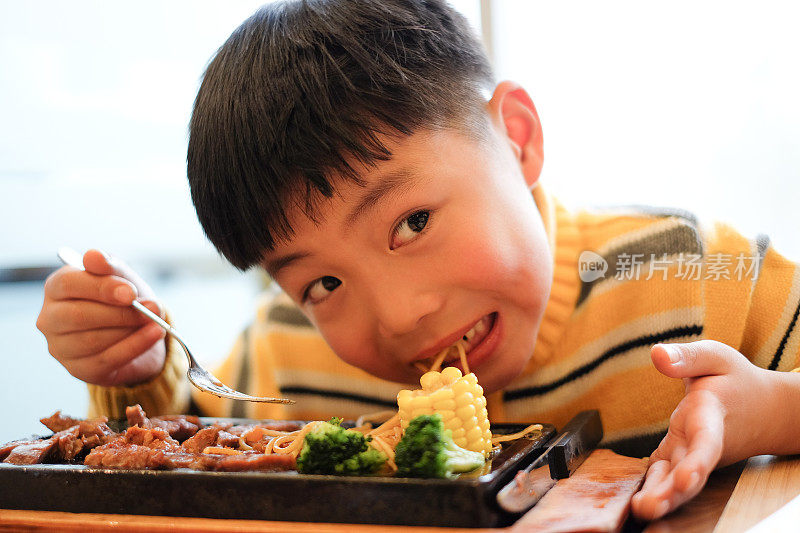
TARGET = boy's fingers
x,y
692,359
656,473
645,504
73,284
705,448
103,368
139,367
87,343
97,262
70,316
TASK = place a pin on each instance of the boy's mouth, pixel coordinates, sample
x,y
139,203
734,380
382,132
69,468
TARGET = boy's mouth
x,y
476,344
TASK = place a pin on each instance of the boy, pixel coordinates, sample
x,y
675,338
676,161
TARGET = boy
x,y
347,148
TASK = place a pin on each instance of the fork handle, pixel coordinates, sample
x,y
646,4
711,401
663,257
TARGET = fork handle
x,y
72,258
154,317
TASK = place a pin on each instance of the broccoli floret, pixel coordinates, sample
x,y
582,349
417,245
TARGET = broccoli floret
x,y
427,450
332,449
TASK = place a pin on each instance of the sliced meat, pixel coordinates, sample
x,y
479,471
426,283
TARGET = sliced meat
x,y
65,445
58,422
154,438
202,439
68,444
6,448
96,429
227,439
596,498
254,461
149,443
179,427
195,461
118,454
30,454
136,417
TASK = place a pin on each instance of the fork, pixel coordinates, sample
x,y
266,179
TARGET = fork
x,y
198,376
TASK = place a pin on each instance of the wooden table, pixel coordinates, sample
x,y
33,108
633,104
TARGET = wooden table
x,y
735,498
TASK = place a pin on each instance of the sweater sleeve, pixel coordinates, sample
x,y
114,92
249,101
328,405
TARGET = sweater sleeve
x,y
755,309
771,337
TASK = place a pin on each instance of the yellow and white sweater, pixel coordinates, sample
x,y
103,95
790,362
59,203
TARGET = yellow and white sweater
x,y
593,348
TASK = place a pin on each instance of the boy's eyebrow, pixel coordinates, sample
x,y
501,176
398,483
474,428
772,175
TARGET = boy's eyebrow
x,y
273,266
391,183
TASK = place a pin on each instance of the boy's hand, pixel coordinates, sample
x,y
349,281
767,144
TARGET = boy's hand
x,y
92,330
726,403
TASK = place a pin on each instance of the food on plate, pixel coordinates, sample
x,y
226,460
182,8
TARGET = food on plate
x,y
168,442
331,449
459,402
440,430
428,450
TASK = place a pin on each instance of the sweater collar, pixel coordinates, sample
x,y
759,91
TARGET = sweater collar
x,y
564,241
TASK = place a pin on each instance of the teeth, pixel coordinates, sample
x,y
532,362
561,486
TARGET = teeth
x,y
477,329
472,337
477,333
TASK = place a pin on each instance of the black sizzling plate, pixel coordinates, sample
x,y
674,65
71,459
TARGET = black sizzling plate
x,y
468,501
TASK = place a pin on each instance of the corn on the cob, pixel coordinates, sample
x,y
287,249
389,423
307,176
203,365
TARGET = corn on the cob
x,y
458,400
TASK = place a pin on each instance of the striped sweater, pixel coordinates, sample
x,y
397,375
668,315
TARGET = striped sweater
x,y
669,278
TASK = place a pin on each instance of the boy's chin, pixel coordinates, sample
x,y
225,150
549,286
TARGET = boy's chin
x,y
491,382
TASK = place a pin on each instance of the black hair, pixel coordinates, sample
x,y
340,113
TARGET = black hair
x,y
302,90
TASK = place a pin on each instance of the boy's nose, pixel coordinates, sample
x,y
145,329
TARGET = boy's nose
x,y
400,312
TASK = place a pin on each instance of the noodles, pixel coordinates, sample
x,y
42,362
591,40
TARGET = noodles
x,y
290,443
437,364
462,354
383,438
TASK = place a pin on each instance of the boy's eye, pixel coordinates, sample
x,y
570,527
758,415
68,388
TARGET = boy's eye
x,y
410,228
320,289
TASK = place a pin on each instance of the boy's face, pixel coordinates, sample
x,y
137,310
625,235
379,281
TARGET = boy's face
x,y
444,241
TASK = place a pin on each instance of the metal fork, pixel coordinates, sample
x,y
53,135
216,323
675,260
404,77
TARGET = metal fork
x,y
198,376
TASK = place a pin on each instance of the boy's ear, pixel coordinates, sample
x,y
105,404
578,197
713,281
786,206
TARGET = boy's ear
x,y
512,110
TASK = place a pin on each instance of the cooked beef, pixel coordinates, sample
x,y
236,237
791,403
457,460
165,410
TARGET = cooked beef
x,y
58,422
6,448
227,439
180,427
254,461
68,443
155,438
125,455
96,429
136,417
195,461
150,443
203,438
65,444
31,453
